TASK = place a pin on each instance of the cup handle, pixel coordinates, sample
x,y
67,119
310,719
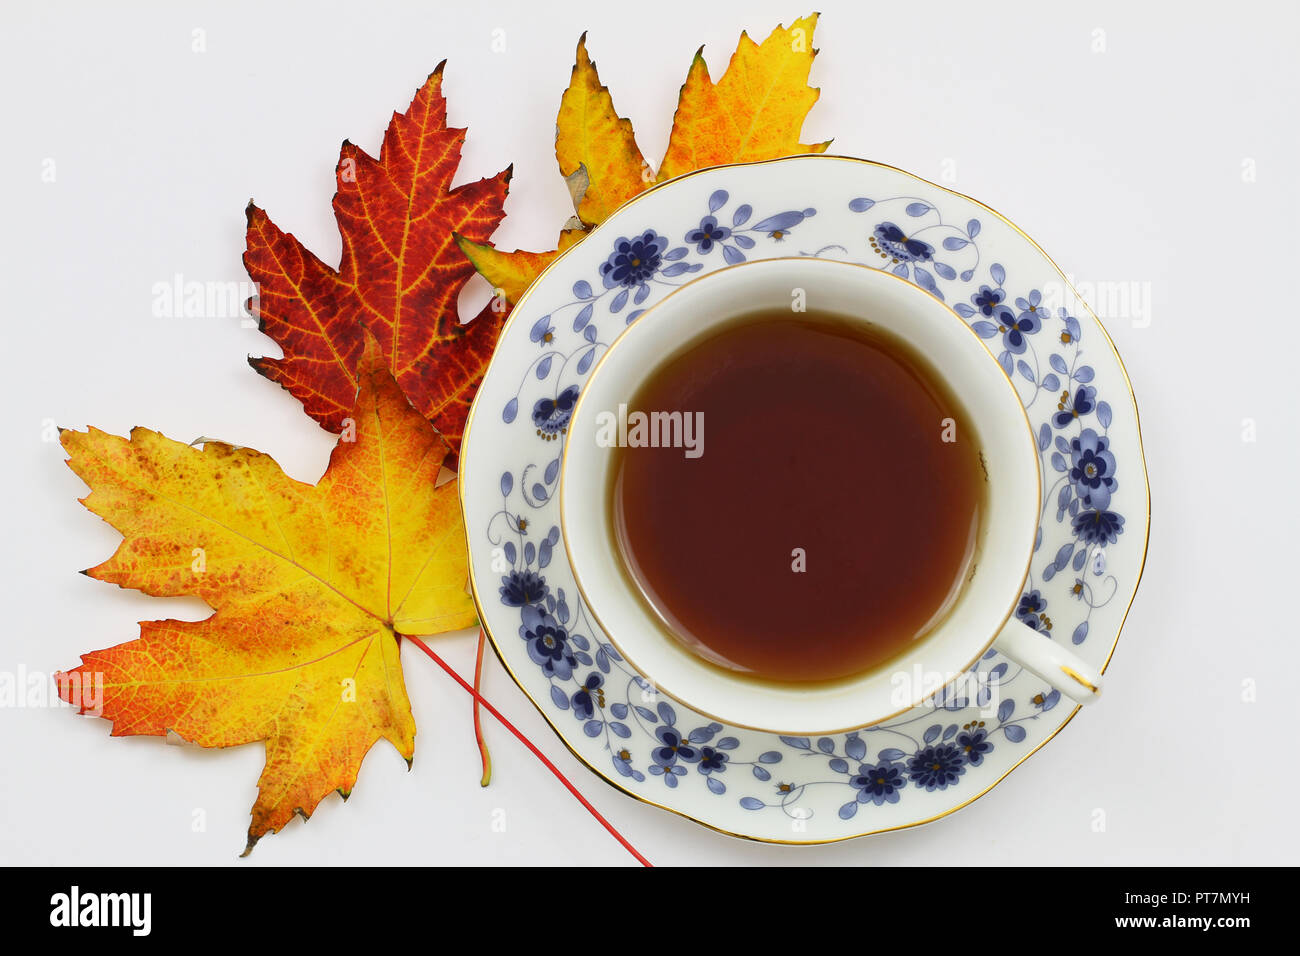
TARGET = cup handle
x,y
1038,653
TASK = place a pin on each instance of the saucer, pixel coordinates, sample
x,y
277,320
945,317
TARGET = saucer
x,y
934,758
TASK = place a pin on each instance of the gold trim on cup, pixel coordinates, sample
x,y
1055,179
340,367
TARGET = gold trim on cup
x,y
1079,679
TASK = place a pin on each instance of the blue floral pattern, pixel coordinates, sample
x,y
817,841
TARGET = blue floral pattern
x,y
903,250
956,736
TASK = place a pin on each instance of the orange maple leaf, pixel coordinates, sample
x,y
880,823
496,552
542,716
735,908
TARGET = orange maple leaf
x,y
312,587
400,275
754,112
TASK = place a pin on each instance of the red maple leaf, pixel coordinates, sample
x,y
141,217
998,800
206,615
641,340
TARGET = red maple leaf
x,y
400,276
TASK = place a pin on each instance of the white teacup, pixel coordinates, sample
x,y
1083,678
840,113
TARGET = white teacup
x,y
982,614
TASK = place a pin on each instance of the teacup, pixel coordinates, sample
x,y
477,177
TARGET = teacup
x,y
982,614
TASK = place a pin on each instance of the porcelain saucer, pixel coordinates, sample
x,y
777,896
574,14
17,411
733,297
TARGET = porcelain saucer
x,y
1094,515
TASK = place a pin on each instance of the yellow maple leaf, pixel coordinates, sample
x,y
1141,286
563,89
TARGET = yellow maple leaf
x,y
755,111
595,147
311,586
513,272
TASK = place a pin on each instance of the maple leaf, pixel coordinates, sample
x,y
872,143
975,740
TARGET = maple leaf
x,y
311,587
399,276
755,111
513,272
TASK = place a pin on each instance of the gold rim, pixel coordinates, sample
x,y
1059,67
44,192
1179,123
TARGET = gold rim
x,y
659,687
1079,679
1123,619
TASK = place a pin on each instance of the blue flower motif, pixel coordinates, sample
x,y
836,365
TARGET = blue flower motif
x,y
1031,610
543,331
523,587
712,761
1071,334
623,764
987,300
548,643
936,767
1092,469
878,784
890,242
974,743
1098,527
633,261
1045,700
1033,306
1067,409
551,415
669,773
707,234
777,226
589,696
674,748
1014,327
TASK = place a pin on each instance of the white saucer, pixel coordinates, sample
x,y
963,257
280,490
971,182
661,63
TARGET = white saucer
x,y
927,762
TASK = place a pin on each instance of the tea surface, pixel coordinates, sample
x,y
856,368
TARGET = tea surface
x,y
832,512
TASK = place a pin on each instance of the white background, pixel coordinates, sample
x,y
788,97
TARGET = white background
x,y
1125,164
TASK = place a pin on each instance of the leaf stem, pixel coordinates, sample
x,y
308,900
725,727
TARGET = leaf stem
x,y
529,744
484,756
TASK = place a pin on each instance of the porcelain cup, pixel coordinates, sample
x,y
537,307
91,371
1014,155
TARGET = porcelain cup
x,y
982,614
